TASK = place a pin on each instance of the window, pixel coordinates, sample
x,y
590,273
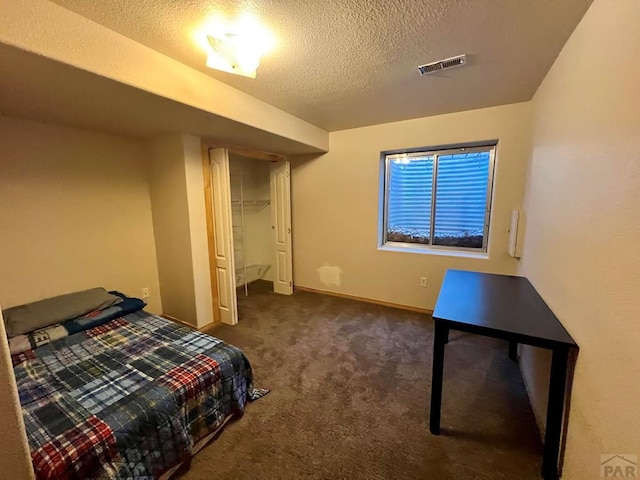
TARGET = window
x,y
438,198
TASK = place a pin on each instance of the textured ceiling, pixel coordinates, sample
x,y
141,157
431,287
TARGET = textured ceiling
x,y
347,63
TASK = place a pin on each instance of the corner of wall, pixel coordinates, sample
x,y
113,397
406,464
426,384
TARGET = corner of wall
x,y
15,461
198,229
170,213
180,228
533,362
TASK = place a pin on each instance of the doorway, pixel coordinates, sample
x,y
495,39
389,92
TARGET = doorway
x,y
251,207
251,221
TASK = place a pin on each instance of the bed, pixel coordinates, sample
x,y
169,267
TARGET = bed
x,y
130,398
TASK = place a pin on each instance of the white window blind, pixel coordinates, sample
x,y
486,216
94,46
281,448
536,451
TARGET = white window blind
x,y
452,211
410,193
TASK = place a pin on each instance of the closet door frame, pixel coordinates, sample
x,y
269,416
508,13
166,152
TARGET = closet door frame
x,y
208,193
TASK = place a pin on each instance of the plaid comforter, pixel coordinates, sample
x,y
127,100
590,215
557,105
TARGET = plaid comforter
x,y
128,399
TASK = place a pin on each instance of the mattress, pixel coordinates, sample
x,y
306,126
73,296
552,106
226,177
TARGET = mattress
x,y
127,399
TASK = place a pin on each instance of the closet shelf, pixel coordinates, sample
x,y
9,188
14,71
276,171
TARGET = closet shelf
x,y
250,206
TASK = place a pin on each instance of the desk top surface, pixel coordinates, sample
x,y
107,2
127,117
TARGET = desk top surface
x,y
499,303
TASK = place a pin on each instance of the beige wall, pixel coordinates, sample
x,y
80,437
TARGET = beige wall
x,y
581,249
179,221
75,214
335,205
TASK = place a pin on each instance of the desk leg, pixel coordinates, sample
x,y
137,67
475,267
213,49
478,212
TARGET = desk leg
x,y
440,338
555,410
513,350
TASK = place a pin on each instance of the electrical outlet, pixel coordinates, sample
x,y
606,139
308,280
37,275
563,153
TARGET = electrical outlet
x,y
145,292
423,281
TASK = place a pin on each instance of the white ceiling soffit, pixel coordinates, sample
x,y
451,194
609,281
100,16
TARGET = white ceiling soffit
x,y
58,66
347,63
38,88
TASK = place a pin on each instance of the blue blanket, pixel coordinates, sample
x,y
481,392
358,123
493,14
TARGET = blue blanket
x,y
99,317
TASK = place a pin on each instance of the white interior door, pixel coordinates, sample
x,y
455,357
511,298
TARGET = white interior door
x,y
281,227
223,233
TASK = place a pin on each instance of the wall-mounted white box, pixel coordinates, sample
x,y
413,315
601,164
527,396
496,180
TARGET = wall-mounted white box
x,y
516,233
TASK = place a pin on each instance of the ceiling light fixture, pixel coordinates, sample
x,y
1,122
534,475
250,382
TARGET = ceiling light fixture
x,y
237,48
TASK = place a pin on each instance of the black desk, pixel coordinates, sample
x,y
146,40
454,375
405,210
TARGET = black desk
x,y
509,308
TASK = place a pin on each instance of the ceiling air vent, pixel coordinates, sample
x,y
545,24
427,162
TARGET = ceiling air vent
x,y
445,64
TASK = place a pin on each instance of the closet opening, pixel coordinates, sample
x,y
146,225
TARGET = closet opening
x,y
251,223
249,218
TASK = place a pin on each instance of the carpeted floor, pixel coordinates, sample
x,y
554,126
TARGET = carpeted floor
x,y
350,398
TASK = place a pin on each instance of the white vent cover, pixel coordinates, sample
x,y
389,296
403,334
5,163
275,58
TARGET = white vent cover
x,y
445,64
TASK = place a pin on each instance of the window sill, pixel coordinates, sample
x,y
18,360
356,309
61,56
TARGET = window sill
x,y
436,251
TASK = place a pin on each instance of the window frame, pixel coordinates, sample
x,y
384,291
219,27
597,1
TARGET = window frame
x,y
435,151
